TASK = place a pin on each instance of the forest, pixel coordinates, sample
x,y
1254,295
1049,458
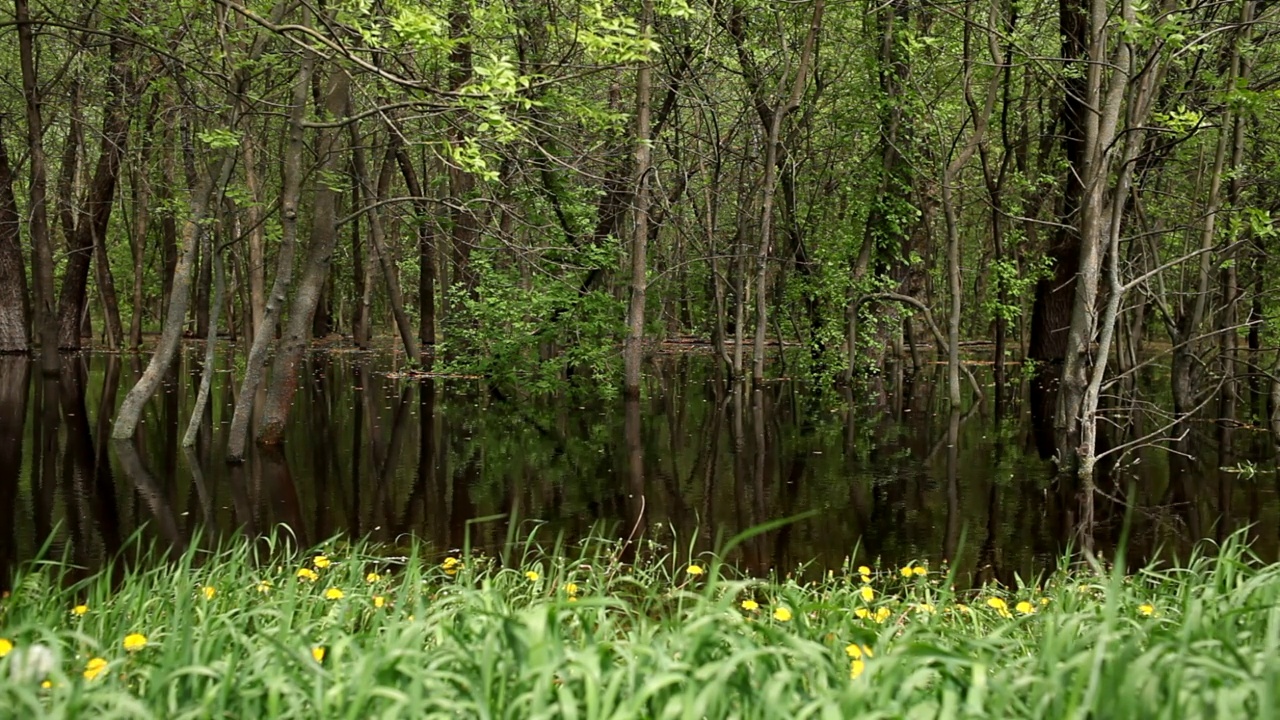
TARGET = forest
x,y
543,193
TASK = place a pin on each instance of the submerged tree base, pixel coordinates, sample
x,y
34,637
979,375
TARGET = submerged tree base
x,y
343,631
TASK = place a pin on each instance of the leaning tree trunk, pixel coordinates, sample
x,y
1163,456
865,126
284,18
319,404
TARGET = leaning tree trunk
x,y
284,369
15,311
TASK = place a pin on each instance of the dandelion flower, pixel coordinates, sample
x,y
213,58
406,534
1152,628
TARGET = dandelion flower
x,y
46,684
862,613
750,605
856,667
867,593
134,642
571,589
372,578
94,668
6,646
334,594
858,651
379,601
999,606
1044,601
209,591
920,571
317,653
264,587
695,570
1025,607
1147,610
307,574
926,608
532,575
864,570
320,561
883,614
961,607
451,565
906,571
79,610
781,614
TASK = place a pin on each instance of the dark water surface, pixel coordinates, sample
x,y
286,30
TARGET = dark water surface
x,y
884,468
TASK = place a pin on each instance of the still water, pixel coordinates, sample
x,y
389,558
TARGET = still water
x,y
883,473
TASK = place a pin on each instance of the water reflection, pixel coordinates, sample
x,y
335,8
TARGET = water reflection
x,y
881,468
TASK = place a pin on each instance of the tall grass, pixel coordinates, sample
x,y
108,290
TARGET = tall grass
x,y
236,633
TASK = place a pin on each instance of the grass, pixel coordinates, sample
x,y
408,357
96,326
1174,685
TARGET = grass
x,y
237,633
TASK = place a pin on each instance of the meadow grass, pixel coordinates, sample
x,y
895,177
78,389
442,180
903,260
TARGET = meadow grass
x,y
255,630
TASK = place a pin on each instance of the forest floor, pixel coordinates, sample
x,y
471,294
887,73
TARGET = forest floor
x,y
258,630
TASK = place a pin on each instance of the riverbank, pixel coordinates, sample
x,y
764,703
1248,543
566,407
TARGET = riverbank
x,y
342,631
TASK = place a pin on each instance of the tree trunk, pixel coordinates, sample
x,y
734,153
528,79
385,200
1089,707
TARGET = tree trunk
x,y
15,309
46,315
426,248
633,352
285,367
214,253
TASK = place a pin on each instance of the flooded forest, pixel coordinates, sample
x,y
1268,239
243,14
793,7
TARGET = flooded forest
x,y
976,283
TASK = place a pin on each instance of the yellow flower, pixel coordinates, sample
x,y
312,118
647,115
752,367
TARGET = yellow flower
x,y
695,570
6,646
864,570
920,571
750,605
334,594
906,571
926,608
1025,607
1147,609
867,593
372,578
962,608
999,606
79,610
134,642
862,613
883,614
209,591
1044,601
320,561
264,587
307,574
532,575
379,601
317,653
856,667
451,565
857,651
46,684
571,589
781,614
94,668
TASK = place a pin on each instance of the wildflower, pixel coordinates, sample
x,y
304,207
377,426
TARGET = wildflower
x,y
920,571
883,614
320,561
532,575
317,653
571,589
781,614
334,594
867,593
1147,610
906,571
750,605
862,613
926,608
264,587
857,651
379,601
94,668
209,591
695,570
6,646
1044,601
961,607
46,684
79,610
307,574
999,606
864,570
451,565
856,667
372,578
1025,607
134,642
